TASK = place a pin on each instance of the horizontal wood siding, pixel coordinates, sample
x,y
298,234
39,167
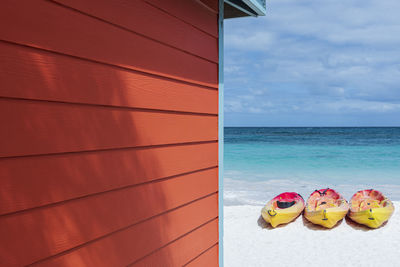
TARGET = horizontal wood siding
x,y
48,26
73,175
192,12
131,244
72,223
160,26
207,258
33,74
35,127
190,246
211,4
109,150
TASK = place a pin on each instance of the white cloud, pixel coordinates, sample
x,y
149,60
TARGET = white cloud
x,y
353,106
334,57
255,110
258,41
233,106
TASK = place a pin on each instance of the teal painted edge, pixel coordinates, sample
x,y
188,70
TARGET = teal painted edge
x,y
258,6
221,132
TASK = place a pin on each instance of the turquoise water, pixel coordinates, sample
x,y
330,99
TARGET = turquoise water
x,y
329,156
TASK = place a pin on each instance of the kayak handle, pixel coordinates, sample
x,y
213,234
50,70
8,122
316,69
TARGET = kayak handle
x,y
325,218
272,215
371,217
322,193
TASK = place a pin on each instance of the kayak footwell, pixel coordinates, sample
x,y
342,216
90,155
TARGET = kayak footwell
x,y
326,207
283,208
371,208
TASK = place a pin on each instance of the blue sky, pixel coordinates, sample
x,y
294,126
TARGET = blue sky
x,y
314,63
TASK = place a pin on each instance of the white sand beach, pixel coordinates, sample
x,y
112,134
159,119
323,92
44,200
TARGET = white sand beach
x,y
249,241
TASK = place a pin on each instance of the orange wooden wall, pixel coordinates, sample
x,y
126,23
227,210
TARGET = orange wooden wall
x,y
109,135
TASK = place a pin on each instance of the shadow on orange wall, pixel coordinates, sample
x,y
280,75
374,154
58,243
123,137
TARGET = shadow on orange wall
x,y
76,186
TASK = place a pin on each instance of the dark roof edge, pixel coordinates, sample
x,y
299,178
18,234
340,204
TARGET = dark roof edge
x,y
244,8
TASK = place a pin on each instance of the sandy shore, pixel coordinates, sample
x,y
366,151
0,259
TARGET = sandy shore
x,y
249,241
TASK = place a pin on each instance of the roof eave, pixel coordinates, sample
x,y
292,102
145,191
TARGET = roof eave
x,y
244,8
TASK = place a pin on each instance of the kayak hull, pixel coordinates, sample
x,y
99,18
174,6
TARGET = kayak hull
x,y
327,218
325,207
373,218
370,208
276,216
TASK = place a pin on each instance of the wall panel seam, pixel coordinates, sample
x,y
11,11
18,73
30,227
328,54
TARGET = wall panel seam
x,y
123,229
173,241
202,253
172,15
110,149
208,7
132,31
115,66
58,203
149,110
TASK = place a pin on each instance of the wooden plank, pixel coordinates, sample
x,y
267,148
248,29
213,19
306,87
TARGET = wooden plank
x,y
151,22
184,249
35,74
55,178
49,26
208,258
37,234
192,12
125,247
35,127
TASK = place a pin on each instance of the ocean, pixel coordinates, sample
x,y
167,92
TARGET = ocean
x,y
261,162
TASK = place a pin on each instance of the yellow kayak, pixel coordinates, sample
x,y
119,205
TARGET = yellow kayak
x,y
371,208
283,208
326,207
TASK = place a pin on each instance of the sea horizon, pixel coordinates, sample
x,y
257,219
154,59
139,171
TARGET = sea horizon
x,y
311,126
261,162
